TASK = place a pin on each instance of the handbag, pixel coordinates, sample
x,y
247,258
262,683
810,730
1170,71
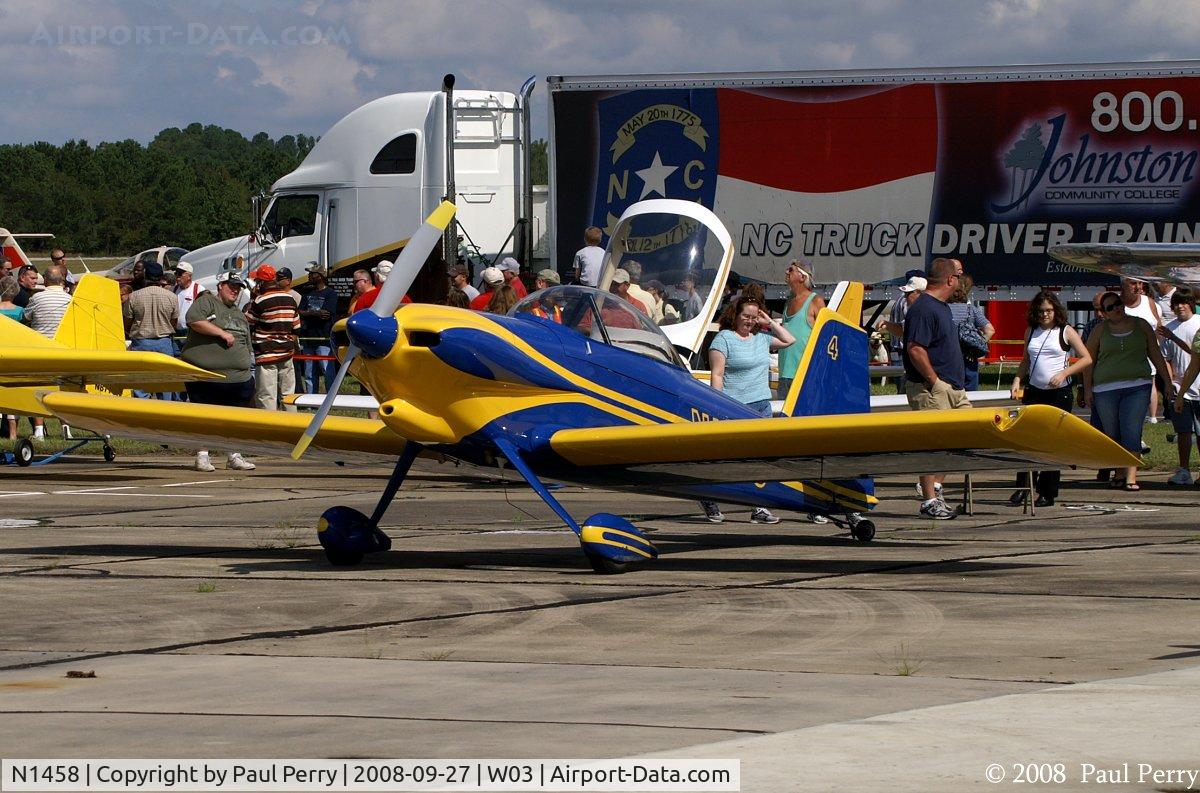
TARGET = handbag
x,y
971,340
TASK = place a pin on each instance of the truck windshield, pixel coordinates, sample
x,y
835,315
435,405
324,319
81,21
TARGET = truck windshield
x,y
672,256
291,216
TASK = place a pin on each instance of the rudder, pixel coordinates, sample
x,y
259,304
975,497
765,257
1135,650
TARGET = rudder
x,y
93,319
833,377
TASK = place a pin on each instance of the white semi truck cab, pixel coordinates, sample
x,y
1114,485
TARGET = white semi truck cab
x,y
374,176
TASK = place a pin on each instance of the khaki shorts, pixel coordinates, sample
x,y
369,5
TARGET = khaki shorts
x,y
920,397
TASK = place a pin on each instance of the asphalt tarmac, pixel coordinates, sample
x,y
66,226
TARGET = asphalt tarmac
x,y
216,629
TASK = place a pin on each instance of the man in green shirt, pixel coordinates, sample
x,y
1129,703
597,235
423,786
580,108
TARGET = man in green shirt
x,y
218,339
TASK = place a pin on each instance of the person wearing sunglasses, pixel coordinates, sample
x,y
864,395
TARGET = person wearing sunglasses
x,y
1118,385
1044,376
799,316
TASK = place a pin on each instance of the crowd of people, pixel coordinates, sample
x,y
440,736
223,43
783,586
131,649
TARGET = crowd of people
x,y
1138,347
270,341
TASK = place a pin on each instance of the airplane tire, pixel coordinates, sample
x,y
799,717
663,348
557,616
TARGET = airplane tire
x,y
110,454
24,452
863,531
340,558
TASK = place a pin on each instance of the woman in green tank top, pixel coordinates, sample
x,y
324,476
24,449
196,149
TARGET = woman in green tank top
x,y
798,317
1117,387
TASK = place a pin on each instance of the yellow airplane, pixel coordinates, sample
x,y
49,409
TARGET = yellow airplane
x,y
593,393
87,354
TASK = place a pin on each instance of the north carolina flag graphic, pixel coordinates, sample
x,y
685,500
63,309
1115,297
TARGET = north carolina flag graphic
x,y
843,176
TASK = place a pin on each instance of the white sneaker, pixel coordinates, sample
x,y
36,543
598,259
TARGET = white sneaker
x,y
235,462
203,463
66,428
1151,419
937,491
815,518
1182,477
762,515
938,510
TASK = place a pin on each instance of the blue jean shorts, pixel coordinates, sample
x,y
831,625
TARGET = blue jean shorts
x,y
1186,421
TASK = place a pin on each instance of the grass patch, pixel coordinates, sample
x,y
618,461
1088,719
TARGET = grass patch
x,y
206,587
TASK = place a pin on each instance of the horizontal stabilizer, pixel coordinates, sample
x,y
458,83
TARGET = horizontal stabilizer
x,y
61,366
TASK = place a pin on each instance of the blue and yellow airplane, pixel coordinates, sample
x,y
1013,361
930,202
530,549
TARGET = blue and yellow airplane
x,y
602,398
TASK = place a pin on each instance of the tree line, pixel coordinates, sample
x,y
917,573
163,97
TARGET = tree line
x,y
188,187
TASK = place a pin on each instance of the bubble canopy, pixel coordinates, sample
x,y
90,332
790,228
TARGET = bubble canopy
x,y
680,253
600,316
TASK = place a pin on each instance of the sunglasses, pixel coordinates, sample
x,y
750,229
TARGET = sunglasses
x,y
58,258
1111,306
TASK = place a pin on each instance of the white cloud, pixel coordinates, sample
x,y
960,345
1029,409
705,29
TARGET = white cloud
x,y
103,91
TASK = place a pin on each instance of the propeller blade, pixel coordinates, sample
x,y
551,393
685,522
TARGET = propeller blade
x,y
411,259
404,272
318,419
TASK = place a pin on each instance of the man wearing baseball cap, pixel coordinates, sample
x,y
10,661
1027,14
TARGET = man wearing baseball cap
x,y
152,315
187,289
894,324
511,269
318,308
218,339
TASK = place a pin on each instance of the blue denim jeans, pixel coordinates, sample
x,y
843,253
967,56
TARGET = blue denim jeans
x,y
315,370
1123,413
971,370
762,407
166,347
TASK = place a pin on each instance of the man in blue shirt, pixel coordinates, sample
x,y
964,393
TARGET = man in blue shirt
x,y
318,308
933,365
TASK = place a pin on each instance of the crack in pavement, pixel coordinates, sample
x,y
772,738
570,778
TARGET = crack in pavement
x,y
377,717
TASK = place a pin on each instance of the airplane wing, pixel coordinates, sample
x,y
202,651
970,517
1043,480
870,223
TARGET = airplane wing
x,y
844,447
1177,263
218,427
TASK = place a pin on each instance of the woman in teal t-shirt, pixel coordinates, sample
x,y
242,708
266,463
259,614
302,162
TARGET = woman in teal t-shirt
x,y
740,360
798,317
740,355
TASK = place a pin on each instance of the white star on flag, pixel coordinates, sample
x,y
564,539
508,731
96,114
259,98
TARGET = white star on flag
x,y
655,177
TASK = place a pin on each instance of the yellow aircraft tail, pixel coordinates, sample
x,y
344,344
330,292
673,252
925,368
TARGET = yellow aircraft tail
x,y
93,319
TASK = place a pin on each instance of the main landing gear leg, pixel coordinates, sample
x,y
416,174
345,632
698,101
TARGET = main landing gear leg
x,y
610,543
347,534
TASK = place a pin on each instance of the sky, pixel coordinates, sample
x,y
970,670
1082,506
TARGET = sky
x,y
102,70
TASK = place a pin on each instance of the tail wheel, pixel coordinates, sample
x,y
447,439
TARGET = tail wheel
x,y
24,452
110,453
863,531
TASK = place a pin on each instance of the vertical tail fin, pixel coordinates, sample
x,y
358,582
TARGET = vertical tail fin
x,y
832,377
93,319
